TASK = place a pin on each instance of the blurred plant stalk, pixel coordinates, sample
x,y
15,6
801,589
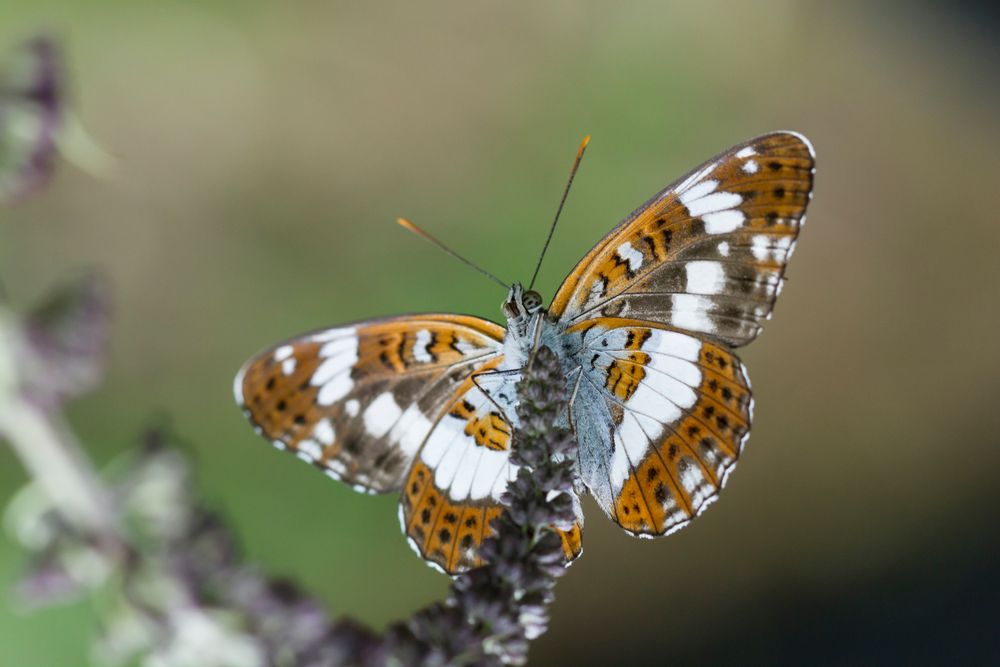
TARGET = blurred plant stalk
x,y
173,590
45,446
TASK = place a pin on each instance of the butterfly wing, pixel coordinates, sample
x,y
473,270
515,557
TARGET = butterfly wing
x,y
359,400
661,417
708,253
453,490
661,405
391,404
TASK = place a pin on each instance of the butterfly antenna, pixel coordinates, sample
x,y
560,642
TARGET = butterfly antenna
x,y
403,222
552,229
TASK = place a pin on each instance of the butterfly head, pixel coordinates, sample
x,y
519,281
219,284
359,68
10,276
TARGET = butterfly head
x,y
521,303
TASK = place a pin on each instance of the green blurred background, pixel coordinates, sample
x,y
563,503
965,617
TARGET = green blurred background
x,y
266,148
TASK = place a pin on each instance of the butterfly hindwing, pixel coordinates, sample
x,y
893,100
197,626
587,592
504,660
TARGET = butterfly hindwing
x,y
707,254
661,416
453,491
358,400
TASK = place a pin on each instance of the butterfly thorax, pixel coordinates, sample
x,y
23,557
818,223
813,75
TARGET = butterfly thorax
x,y
525,319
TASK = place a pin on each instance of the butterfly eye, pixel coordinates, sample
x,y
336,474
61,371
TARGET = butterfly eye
x,y
532,300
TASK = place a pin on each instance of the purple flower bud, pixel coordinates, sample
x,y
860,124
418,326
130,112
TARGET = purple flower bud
x,y
31,110
66,339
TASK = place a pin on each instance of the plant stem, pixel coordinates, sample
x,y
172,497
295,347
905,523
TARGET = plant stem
x,y
49,450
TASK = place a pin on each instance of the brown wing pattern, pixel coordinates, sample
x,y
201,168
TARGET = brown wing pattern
x,y
708,253
359,400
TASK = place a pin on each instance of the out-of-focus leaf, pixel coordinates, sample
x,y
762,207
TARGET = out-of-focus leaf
x,y
63,564
209,638
154,494
126,634
31,110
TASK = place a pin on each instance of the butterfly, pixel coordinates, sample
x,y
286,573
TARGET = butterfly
x,y
30,116
644,327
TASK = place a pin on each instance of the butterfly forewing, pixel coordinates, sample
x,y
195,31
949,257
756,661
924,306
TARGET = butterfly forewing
x,y
708,253
359,400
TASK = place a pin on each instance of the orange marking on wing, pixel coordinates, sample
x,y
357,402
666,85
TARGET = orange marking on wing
x,y
283,405
492,512
641,503
722,362
612,269
624,383
773,199
465,554
572,542
675,454
725,426
489,430
420,503
484,327
446,533
387,351
450,533
721,412
413,490
608,323
394,348
726,390
708,436
457,532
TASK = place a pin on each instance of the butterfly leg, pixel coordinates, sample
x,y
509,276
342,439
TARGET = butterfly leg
x,y
535,339
488,381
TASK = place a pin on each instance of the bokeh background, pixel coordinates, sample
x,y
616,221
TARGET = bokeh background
x,y
265,149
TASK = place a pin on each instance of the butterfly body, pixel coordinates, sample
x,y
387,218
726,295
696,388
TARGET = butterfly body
x,y
644,328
